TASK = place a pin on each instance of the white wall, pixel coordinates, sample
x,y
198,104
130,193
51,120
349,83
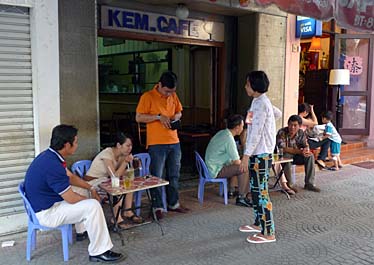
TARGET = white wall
x,y
45,64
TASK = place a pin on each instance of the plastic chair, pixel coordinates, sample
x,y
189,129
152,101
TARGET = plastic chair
x,y
204,177
33,225
145,159
81,167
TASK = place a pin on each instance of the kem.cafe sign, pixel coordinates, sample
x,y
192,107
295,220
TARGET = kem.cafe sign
x,y
151,23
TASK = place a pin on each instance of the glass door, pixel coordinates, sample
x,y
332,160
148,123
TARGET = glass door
x,y
352,52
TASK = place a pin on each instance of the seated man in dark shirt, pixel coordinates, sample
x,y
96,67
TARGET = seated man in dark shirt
x,y
48,188
295,145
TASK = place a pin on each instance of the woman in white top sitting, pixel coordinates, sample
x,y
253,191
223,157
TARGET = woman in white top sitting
x,y
117,158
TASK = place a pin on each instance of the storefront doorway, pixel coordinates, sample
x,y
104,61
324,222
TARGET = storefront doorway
x,y
127,68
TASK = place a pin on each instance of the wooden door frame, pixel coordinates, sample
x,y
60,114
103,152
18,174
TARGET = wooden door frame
x,y
367,93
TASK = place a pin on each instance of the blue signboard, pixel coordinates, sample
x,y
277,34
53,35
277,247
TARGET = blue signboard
x,y
308,27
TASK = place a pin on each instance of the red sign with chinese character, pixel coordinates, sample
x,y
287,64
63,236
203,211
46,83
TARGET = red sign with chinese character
x,y
353,64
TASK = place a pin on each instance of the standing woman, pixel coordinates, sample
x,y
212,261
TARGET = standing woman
x,y
117,158
260,143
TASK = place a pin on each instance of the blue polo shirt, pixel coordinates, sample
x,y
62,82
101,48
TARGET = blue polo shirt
x,y
46,180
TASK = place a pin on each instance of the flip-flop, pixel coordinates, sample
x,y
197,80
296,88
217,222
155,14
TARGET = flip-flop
x,y
290,191
248,229
256,239
322,165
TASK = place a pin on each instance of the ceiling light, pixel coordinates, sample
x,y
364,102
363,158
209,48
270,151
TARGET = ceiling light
x,y
182,11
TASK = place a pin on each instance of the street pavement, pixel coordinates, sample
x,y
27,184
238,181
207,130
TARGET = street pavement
x,y
335,226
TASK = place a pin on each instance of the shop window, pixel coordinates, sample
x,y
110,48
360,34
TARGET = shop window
x,y
133,72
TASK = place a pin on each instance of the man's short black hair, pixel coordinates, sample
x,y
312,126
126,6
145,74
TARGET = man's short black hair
x,y
328,115
259,81
120,138
234,120
62,134
295,117
168,79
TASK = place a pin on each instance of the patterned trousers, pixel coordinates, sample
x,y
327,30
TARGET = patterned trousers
x,y
259,169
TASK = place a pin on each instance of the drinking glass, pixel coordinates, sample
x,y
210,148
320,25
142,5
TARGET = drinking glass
x,y
129,178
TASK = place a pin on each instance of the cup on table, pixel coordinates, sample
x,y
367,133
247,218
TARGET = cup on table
x,y
275,157
128,178
280,152
115,182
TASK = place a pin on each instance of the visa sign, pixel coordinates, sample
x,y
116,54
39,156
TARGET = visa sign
x,y
308,27
150,23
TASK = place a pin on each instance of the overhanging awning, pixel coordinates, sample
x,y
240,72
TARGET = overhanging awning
x,y
357,15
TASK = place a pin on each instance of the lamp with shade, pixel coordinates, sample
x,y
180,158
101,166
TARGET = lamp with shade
x,y
315,45
339,77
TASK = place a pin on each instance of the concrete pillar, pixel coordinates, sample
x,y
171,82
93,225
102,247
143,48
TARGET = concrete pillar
x,y
261,46
78,73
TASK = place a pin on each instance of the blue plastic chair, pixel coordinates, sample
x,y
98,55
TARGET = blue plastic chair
x,y
145,163
81,167
33,225
204,177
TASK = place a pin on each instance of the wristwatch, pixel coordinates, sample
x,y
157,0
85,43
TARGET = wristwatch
x,y
159,116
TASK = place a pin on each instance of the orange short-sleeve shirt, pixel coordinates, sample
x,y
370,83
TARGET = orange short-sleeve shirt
x,y
152,102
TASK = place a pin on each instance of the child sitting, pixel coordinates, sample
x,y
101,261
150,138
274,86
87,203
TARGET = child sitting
x,y
336,140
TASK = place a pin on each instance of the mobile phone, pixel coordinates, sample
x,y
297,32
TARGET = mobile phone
x,y
175,124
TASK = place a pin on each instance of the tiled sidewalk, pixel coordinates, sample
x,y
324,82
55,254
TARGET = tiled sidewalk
x,y
332,227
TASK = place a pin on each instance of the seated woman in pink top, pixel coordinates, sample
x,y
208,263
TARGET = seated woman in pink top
x,y
309,120
307,115
117,158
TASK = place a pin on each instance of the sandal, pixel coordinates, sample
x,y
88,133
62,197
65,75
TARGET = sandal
x,y
249,229
320,163
259,239
121,225
290,191
287,189
135,219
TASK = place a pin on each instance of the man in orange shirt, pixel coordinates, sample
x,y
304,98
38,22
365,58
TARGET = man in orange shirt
x,y
161,110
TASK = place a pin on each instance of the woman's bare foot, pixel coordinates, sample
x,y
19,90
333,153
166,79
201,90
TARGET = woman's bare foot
x,y
287,189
